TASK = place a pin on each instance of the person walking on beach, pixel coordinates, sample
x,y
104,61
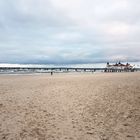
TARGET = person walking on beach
x,y
51,73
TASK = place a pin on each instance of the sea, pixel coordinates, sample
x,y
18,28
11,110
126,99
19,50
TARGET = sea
x,y
28,67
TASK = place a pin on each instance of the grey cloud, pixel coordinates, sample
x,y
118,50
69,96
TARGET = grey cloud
x,y
38,31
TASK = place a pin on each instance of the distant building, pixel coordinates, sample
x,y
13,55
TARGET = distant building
x,y
119,66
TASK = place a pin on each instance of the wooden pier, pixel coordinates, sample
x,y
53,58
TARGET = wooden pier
x,y
63,69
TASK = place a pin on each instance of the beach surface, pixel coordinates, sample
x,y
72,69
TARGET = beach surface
x,y
103,106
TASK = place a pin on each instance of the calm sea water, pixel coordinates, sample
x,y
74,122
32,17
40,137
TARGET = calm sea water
x,y
55,65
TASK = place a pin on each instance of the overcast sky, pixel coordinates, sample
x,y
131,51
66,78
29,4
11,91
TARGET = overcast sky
x,y
69,31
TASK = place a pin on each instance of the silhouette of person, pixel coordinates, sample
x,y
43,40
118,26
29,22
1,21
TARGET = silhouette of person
x,y
51,73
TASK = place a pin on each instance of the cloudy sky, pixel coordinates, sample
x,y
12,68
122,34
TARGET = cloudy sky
x,y
69,31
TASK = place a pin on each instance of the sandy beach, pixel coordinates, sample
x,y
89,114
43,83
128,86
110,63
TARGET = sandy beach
x,y
103,106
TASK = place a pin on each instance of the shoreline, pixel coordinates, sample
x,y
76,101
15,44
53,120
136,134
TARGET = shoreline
x,y
64,73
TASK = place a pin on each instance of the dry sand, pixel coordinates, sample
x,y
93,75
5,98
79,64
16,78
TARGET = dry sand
x,y
102,106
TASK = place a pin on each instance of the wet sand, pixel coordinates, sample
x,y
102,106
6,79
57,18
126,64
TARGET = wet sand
x,y
103,106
